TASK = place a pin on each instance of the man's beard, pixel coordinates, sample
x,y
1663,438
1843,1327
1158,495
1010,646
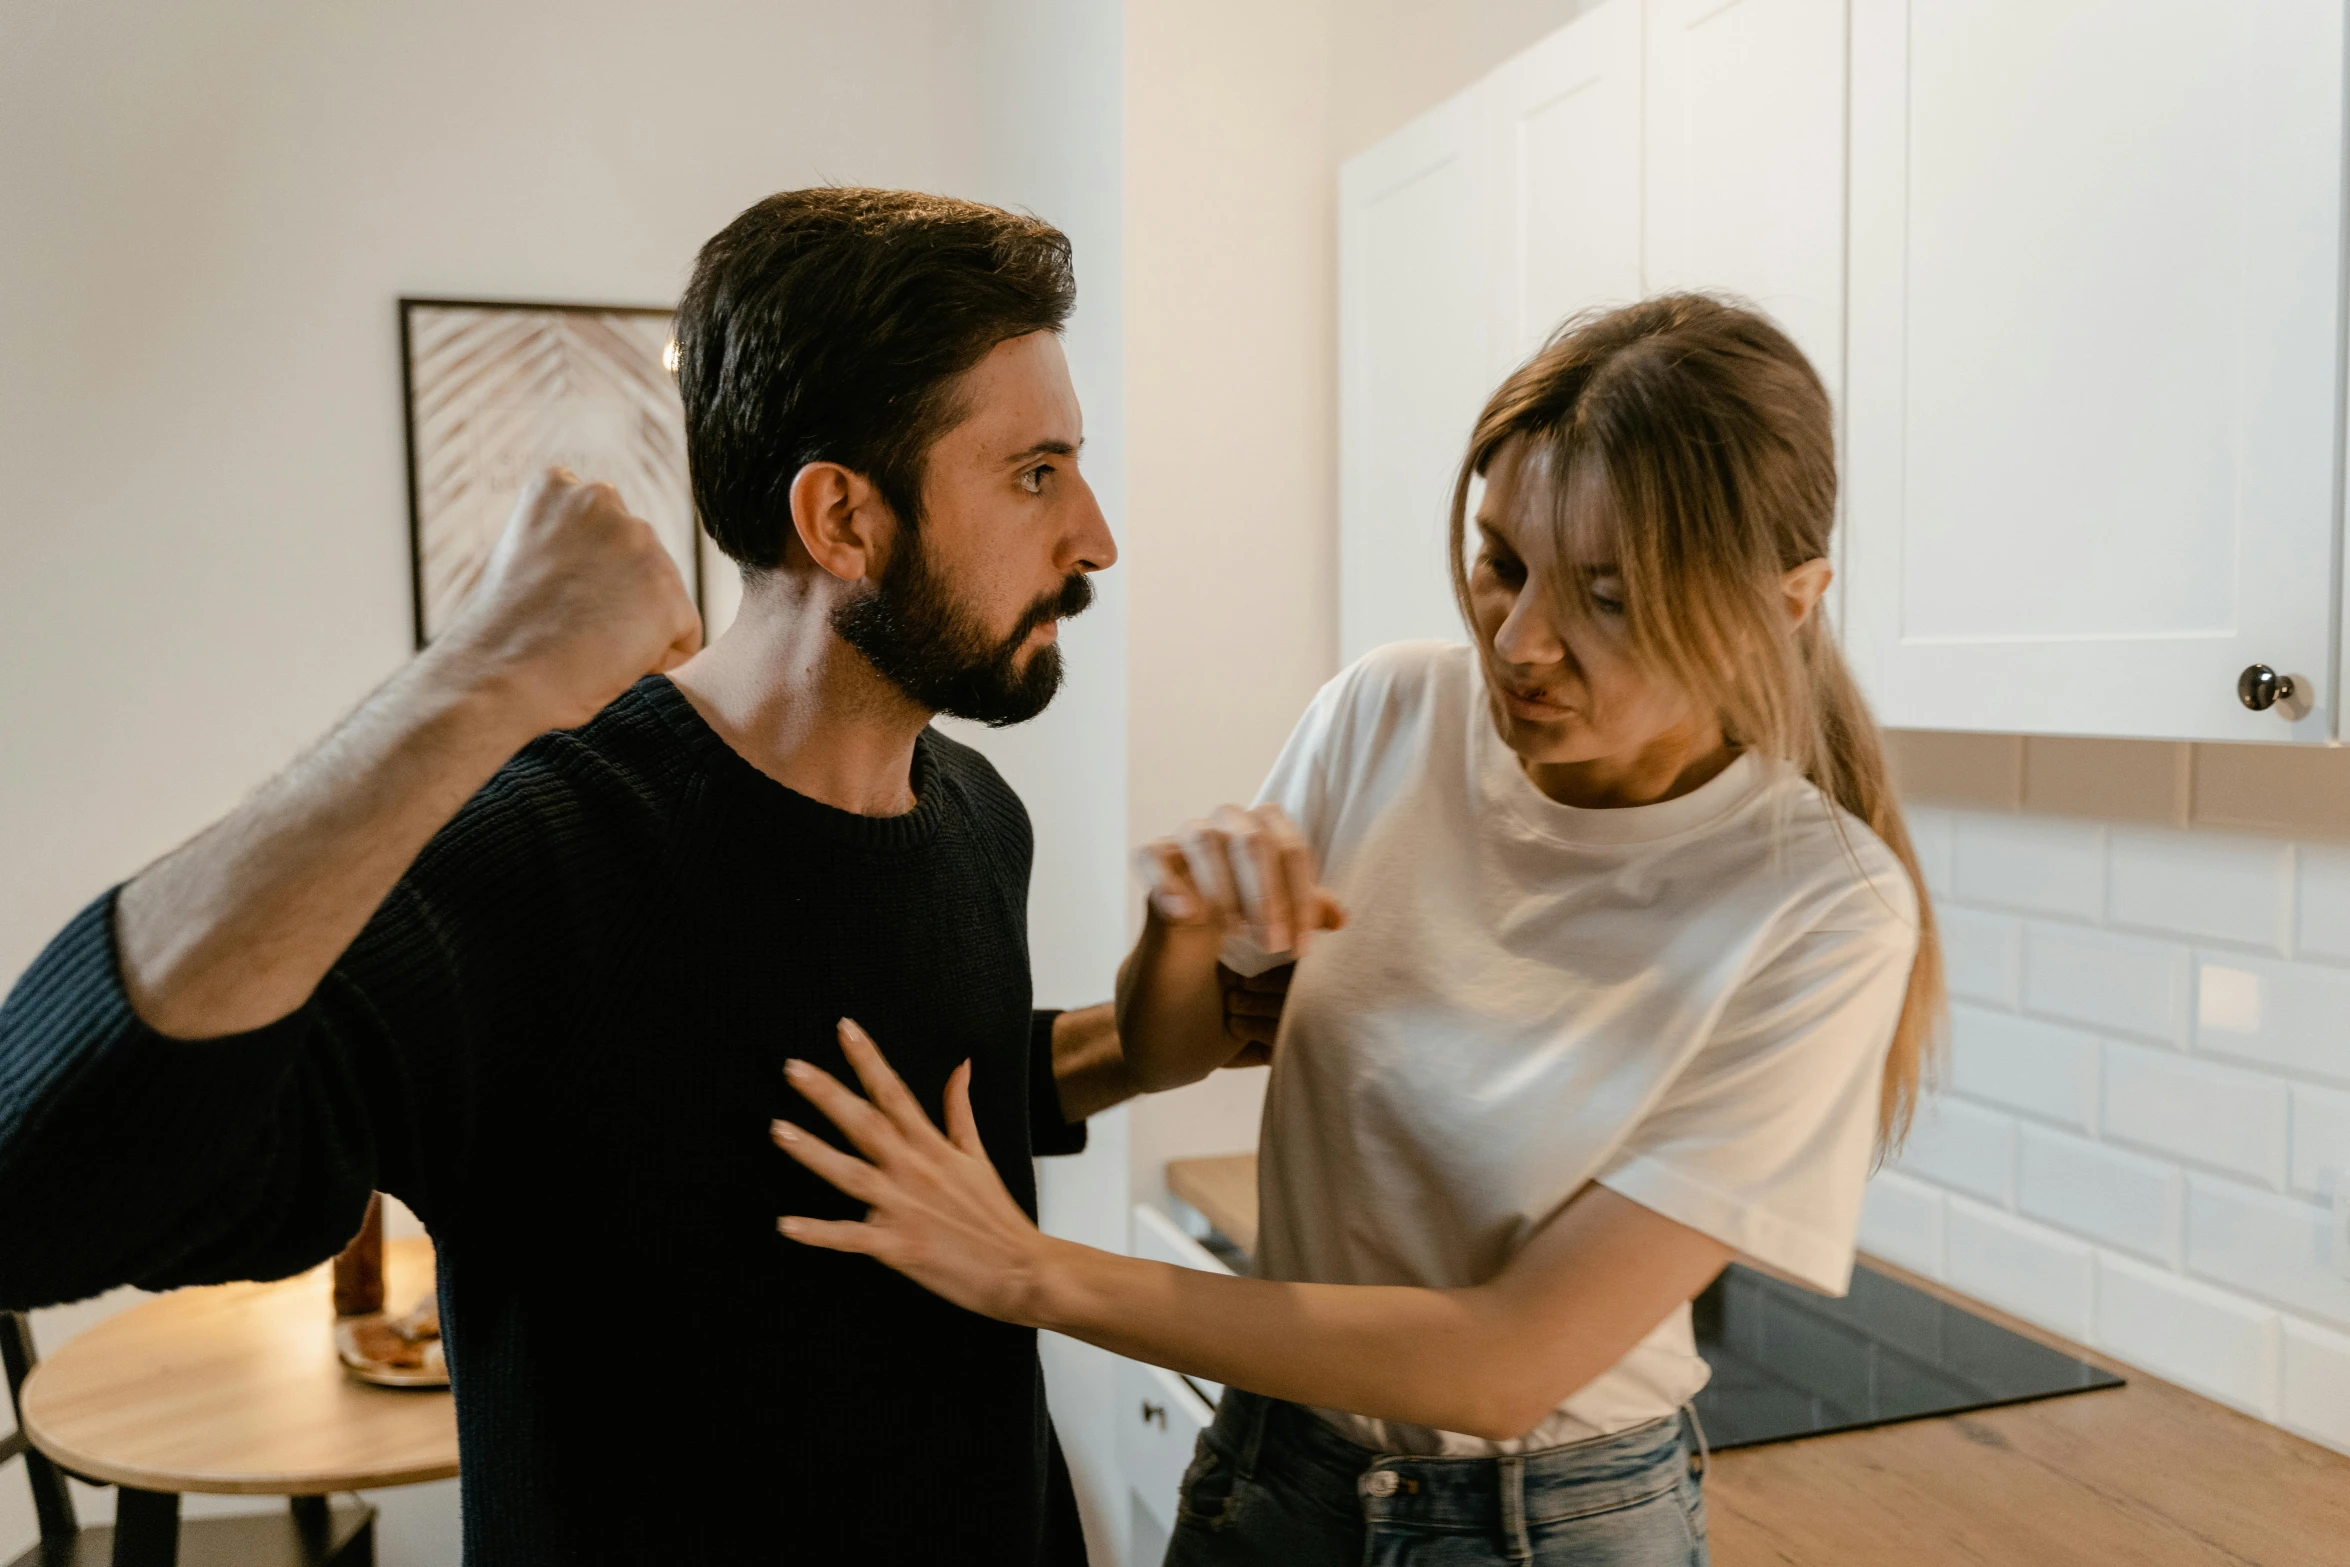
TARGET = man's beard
x,y
924,641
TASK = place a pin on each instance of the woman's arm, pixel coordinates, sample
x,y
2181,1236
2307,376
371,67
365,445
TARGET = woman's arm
x,y
1238,869
1490,1360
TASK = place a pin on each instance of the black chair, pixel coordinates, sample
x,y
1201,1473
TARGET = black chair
x,y
147,1531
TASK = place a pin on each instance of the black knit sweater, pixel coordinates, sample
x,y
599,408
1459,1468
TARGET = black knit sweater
x,y
560,1041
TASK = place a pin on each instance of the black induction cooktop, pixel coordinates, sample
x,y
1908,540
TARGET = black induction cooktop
x,y
1788,1363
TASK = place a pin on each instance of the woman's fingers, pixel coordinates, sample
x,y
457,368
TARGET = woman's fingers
x,y
1166,874
831,1234
883,1086
867,1128
852,1175
1254,854
962,1125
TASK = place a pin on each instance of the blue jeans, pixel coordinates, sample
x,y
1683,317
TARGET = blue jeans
x,y
1272,1485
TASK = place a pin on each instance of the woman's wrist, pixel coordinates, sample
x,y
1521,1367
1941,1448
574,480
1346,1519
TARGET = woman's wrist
x,y
1047,1292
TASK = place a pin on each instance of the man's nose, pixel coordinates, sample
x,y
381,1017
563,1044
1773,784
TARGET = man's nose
x,y
1090,546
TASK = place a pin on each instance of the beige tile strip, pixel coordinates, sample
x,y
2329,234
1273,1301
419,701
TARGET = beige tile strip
x,y
2297,791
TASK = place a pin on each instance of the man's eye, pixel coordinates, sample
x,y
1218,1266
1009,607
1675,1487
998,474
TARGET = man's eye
x,y
1033,480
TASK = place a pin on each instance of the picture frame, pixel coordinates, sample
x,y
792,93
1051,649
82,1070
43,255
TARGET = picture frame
x,y
495,391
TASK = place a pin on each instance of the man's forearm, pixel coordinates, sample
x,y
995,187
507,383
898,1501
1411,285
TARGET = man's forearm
x,y
234,929
1089,1066
1170,1008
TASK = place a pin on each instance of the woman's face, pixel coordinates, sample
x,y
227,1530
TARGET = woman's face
x,y
1565,689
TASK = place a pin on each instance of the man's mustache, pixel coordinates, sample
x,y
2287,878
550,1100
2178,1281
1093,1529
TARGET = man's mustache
x,y
1074,597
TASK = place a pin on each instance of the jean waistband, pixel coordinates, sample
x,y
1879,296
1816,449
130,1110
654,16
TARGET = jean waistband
x,y
1510,1491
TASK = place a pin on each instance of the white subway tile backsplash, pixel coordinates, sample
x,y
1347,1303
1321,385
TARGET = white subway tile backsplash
x,y
2025,1267
2023,1064
2129,983
2202,1111
2278,1248
2201,884
1929,835
1901,1221
2189,1333
2101,1061
1964,1147
2290,1015
2323,927
1983,954
2048,865
2317,1384
2122,1199
2321,1141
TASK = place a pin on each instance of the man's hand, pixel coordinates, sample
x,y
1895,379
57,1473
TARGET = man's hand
x,y
1252,1011
579,599
233,930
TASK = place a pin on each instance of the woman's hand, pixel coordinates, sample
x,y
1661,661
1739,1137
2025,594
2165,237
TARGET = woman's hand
x,y
1239,868
937,1210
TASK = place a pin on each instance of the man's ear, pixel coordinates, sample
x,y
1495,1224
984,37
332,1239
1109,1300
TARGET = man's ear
x,y
1804,587
841,520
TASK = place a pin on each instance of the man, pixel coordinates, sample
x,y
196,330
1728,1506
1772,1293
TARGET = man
x,y
527,940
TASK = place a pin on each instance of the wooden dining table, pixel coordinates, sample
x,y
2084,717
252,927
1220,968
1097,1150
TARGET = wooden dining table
x,y
236,1389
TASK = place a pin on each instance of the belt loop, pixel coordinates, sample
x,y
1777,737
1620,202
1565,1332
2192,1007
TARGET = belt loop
x,y
1254,1410
1510,1479
1703,1458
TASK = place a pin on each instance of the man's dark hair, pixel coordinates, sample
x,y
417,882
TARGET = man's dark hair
x,y
831,325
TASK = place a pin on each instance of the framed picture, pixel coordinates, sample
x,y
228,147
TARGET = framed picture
x,y
496,392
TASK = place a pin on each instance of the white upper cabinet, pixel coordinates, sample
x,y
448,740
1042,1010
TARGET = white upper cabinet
x,y
1414,369
1745,160
2092,417
1564,149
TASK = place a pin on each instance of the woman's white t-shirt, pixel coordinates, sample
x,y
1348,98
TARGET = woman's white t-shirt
x,y
1688,1002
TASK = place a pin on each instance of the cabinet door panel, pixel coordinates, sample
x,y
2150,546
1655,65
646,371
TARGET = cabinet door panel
x,y
1745,160
1565,127
1413,369
2095,330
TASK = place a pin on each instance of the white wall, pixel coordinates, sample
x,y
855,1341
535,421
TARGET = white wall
x,y
2147,1109
209,211
1231,365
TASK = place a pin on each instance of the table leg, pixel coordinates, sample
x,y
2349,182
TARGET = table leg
x,y
312,1521
146,1528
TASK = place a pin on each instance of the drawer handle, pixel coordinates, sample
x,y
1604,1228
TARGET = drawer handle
x,y
2261,688
1154,1414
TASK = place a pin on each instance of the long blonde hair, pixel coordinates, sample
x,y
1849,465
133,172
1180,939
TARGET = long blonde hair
x,y
1718,450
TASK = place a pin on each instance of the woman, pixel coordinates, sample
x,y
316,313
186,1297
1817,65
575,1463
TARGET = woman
x,y
1634,965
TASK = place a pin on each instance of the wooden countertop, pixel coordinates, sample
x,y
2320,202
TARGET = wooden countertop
x,y
236,1388
2147,1475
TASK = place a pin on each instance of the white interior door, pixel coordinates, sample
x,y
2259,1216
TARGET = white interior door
x,y
1413,369
1745,160
1564,120
2095,266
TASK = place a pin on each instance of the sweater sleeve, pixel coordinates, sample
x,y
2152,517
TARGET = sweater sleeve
x,y
1048,1134
129,1157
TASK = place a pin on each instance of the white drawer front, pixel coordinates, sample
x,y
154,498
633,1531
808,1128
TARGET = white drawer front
x,y
1159,1418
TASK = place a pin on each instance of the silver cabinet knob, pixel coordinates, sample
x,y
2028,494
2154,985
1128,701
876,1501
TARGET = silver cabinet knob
x,y
2261,688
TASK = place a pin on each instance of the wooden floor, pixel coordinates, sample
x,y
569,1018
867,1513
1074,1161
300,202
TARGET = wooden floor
x,y
2147,1475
